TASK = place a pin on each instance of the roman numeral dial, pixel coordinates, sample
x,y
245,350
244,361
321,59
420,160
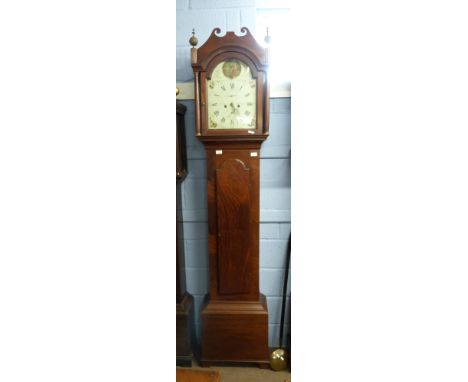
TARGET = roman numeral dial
x,y
231,96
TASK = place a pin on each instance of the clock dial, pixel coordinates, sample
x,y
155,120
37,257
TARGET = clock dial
x,y
231,96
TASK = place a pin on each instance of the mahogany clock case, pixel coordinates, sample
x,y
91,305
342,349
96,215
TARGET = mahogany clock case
x,y
204,59
234,316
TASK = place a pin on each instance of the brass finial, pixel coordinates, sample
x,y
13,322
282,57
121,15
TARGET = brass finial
x,y
267,38
177,91
193,40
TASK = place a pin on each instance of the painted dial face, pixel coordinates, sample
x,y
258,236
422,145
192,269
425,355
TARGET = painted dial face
x,y
231,96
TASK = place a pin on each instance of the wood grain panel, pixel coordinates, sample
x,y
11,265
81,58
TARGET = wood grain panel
x,y
234,227
235,331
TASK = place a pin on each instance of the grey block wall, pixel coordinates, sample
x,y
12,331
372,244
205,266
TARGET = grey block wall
x,y
275,167
204,16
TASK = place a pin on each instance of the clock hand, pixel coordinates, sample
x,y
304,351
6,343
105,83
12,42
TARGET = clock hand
x,y
234,110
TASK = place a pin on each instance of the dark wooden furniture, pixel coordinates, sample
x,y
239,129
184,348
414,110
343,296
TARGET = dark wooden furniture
x,y
234,315
184,301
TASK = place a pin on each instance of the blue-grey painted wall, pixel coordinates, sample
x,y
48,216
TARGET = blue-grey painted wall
x,y
275,167
204,16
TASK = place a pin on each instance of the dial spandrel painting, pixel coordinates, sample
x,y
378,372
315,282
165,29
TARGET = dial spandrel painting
x,y
231,96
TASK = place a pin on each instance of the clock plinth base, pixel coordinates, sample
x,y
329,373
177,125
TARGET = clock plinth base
x,y
235,332
184,331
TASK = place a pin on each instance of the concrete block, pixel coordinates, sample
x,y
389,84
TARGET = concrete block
x,y
233,21
276,216
184,72
284,230
280,106
274,310
196,152
195,230
204,4
196,216
194,194
273,4
195,149
273,253
193,144
280,136
190,131
182,4
276,151
281,122
248,19
273,334
189,119
197,280
275,172
198,302
196,169
275,198
196,253
269,231
203,20
271,282
190,105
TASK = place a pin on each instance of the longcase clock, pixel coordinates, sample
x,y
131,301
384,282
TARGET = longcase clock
x,y
232,114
